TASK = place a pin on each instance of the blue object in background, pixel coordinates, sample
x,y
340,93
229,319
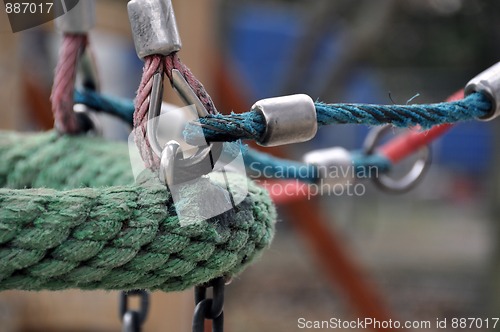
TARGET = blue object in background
x,y
261,40
261,43
467,148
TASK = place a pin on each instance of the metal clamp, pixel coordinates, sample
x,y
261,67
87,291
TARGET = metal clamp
x,y
154,27
411,179
289,119
155,32
78,20
488,83
337,161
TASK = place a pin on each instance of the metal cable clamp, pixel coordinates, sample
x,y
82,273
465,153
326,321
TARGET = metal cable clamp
x,y
289,119
155,32
79,20
336,160
488,83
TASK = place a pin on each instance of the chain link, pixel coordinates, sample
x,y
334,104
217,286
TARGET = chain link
x,y
133,320
209,309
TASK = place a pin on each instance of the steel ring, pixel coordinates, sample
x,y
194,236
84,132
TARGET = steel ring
x,y
410,180
407,182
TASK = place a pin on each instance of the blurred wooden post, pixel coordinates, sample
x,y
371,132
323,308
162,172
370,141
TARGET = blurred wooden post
x,y
88,311
10,96
197,27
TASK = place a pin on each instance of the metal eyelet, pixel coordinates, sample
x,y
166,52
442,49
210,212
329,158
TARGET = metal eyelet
x,y
407,182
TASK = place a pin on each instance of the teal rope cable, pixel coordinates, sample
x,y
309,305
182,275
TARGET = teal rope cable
x,y
257,163
263,165
426,115
251,125
266,166
121,108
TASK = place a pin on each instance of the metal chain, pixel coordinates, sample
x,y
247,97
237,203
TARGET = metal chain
x,y
133,320
209,309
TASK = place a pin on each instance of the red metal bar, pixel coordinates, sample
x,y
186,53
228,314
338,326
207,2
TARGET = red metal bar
x,y
286,191
341,269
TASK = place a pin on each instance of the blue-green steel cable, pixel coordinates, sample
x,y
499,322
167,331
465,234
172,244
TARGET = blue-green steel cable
x,y
121,108
261,164
251,125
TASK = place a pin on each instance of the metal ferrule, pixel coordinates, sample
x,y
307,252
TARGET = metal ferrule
x,y
488,83
334,165
153,27
78,20
289,119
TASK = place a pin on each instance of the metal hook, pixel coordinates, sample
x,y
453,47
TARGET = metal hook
x,y
88,69
184,91
154,112
187,94
175,169
173,164
407,182
87,72
167,164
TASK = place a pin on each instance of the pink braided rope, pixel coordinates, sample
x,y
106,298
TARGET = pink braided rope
x,y
72,47
160,64
173,62
152,65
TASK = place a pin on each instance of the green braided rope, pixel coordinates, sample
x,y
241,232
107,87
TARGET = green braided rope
x,y
103,231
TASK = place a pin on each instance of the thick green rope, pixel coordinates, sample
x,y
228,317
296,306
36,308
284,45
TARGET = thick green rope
x,y
88,226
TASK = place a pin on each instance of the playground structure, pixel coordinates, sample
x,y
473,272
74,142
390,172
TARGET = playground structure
x,y
361,294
